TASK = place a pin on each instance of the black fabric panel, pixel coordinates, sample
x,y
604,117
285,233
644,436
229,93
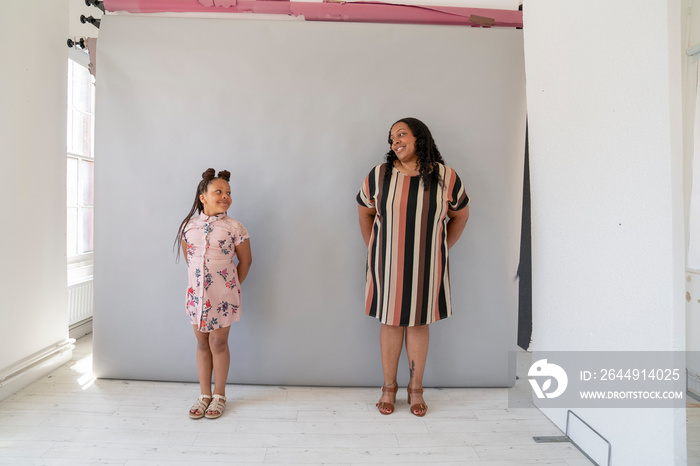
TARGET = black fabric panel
x,y
525,266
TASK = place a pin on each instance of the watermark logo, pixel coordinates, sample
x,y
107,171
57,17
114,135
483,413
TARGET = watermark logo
x,y
603,379
541,369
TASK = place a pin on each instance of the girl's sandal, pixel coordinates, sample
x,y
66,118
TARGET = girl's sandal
x,y
386,407
418,409
216,407
200,406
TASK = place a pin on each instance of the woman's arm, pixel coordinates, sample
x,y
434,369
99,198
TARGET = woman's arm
x,y
184,250
366,221
245,258
455,225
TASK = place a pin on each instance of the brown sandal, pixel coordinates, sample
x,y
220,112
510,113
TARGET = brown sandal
x,y
383,405
418,407
200,406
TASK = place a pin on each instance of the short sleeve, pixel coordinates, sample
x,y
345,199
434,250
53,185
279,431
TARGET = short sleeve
x,y
240,234
367,194
458,196
192,223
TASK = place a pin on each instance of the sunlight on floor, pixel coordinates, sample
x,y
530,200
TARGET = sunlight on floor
x,y
84,368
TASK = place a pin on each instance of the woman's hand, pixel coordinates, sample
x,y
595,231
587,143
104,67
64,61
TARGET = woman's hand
x,y
455,225
366,221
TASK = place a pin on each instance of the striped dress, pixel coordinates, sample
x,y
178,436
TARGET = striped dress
x,y
408,279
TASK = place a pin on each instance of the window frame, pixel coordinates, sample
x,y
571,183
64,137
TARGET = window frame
x,y
80,265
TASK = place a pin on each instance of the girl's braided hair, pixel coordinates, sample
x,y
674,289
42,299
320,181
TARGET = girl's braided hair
x,y
207,177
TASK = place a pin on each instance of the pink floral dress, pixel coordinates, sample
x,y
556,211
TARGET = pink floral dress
x,y
213,292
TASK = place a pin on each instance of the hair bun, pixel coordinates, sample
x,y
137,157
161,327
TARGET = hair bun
x,y
224,175
209,174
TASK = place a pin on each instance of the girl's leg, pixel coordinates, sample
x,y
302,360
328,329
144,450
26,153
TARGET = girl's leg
x,y
417,339
390,343
218,342
204,364
204,361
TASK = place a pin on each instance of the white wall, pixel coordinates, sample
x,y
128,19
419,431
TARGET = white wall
x,y
32,130
603,90
75,27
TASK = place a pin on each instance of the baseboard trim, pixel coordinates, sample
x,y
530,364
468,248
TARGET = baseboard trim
x,y
28,370
80,329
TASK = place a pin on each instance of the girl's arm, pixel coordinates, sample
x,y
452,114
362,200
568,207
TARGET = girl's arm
x,y
184,250
245,258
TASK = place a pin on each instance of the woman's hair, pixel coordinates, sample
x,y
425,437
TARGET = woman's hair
x,y
207,177
426,150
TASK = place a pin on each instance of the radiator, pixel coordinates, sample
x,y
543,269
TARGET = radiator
x,y
79,302
693,384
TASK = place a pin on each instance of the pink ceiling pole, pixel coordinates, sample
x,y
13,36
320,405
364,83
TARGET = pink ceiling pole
x,y
361,12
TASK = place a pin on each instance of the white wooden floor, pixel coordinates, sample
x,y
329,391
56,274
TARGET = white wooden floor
x,y
67,418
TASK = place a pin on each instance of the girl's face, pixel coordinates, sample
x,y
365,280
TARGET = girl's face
x,y
217,199
403,143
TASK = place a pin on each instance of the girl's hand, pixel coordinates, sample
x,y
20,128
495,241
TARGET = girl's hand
x,y
245,258
184,251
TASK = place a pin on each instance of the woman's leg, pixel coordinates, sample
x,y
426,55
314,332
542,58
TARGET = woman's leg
x,y
390,343
221,357
417,339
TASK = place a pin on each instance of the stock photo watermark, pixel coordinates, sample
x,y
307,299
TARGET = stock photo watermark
x,y
603,379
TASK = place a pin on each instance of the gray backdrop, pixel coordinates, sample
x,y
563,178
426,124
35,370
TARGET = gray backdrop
x,y
299,113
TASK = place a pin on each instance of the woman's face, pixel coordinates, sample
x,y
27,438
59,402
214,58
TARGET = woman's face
x,y
403,143
217,199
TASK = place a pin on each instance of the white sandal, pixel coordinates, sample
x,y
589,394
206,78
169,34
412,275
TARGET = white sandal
x,y
216,407
201,406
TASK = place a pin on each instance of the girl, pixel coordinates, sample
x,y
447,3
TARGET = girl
x,y
210,241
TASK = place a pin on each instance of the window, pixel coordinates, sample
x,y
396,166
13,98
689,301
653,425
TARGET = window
x,y
80,164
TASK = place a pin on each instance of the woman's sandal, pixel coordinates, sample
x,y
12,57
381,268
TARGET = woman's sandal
x,y
216,407
418,409
200,406
383,405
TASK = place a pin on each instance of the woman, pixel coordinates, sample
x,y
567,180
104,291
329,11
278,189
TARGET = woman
x,y
412,210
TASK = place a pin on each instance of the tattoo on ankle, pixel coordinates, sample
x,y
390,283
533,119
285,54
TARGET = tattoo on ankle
x,y
412,369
